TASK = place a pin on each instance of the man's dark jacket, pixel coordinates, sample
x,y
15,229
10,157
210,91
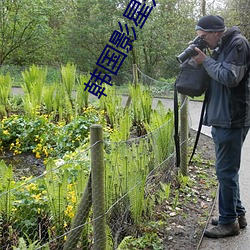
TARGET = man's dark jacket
x,y
229,90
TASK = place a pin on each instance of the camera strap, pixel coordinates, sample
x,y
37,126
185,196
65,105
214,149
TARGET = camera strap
x,y
199,127
176,127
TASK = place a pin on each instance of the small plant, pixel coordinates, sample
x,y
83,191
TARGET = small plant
x,y
68,74
33,85
82,96
176,199
164,192
161,126
30,208
48,98
141,106
111,104
5,90
147,241
184,181
6,184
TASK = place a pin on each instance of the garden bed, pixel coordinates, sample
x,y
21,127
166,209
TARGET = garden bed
x,y
185,226
178,221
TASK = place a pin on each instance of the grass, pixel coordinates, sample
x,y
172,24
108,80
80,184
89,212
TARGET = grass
x,y
15,71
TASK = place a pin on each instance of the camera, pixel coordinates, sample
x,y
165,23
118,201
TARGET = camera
x,y
190,51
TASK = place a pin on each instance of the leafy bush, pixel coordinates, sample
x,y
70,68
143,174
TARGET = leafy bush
x,y
44,138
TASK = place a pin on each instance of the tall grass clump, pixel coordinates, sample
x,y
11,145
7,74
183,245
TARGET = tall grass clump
x,y
34,80
5,90
161,130
141,106
82,96
112,105
68,74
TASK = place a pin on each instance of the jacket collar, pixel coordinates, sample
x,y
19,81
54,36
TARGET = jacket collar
x,y
231,32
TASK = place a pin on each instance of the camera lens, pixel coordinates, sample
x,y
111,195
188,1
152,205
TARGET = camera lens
x,y
190,50
187,53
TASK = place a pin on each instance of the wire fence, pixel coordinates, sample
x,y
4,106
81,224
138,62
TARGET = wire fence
x,y
164,86
55,210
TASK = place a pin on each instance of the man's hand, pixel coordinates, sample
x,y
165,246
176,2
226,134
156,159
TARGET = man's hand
x,y
200,58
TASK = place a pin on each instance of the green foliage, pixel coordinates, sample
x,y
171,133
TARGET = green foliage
x,y
82,96
30,206
56,183
184,181
23,245
23,25
55,196
164,191
44,32
123,126
5,89
147,241
141,104
43,137
6,184
111,104
126,172
48,98
161,126
33,85
68,73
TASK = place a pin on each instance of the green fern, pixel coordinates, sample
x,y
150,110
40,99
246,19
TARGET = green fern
x,y
6,184
33,86
68,74
56,185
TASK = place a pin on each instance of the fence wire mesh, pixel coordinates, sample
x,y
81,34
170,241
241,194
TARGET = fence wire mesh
x,y
45,210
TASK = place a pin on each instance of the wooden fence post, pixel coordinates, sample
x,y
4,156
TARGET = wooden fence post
x,y
98,194
135,74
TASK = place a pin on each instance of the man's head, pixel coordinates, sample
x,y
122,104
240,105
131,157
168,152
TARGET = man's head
x,y
211,28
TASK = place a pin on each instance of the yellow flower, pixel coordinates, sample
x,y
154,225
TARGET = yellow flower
x,y
37,196
103,112
31,187
17,152
14,209
73,199
38,156
6,132
69,211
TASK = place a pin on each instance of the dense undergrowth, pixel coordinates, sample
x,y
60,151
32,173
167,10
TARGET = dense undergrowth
x,y
52,122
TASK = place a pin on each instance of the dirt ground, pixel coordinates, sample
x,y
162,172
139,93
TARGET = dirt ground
x,y
187,222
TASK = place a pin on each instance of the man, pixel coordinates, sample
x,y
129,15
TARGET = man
x,y
228,112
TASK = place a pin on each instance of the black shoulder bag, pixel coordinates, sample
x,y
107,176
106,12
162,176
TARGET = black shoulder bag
x,y
191,81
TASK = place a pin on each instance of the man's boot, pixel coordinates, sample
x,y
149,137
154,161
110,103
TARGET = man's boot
x,y
241,219
221,230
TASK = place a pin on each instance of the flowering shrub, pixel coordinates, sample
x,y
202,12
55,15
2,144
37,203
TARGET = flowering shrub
x,y
43,137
